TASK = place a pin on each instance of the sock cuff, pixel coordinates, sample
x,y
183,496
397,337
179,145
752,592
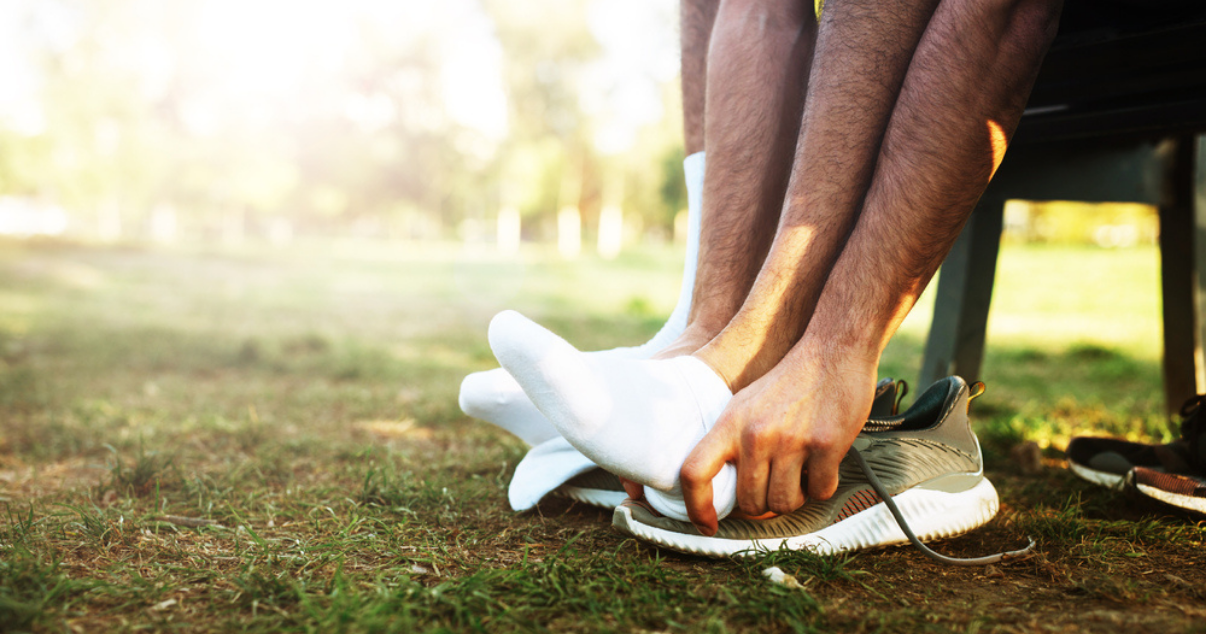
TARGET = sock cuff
x,y
693,174
693,166
711,392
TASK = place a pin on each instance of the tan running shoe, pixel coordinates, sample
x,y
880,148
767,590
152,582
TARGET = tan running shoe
x,y
927,459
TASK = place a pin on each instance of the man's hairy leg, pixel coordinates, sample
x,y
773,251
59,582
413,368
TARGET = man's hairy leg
x,y
696,18
862,52
757,64
962,97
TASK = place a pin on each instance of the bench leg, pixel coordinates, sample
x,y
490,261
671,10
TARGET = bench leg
x,y
956,341
1183,271
1199,247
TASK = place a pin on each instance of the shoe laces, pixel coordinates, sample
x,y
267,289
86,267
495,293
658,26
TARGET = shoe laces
x,y
904,526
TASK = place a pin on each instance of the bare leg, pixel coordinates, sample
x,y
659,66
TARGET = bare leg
x,y
962,97
697,18
757,63
863,51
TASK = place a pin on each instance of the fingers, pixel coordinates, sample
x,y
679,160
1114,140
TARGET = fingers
x,y
823,472
785,493
753,473
705,461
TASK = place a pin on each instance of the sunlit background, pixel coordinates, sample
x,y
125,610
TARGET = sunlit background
x,y
494,122
228,120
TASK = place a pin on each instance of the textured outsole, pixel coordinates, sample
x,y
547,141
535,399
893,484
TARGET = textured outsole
x,y
931,514
1103,478
1185,502
602,498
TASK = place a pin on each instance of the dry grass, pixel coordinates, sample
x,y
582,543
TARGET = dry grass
x,y
270,442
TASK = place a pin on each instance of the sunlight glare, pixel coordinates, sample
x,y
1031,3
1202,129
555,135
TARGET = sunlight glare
x,y
267,46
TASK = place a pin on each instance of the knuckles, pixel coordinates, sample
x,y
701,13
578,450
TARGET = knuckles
x,y
750,507
783,506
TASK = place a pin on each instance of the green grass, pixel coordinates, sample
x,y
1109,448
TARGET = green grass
x,y
303,403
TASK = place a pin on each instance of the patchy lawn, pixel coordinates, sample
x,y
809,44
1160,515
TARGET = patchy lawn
x,y
268,440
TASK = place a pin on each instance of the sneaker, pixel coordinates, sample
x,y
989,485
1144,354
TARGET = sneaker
x,y
596,487
1182,492
1110,461
601,488
927,460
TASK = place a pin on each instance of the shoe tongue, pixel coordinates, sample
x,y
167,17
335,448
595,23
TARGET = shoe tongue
x,y
1110,462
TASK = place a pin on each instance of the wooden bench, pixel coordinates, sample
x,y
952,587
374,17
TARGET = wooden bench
x,y
1117,114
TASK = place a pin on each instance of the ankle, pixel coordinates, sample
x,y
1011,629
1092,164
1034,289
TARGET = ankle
x,y
688,343
730,368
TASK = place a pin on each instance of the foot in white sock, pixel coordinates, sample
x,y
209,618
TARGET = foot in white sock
x,y
639,419
495,397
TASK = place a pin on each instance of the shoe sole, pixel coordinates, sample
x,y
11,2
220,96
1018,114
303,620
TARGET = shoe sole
x,y
1185,502
930,513
1103,478
602,498
1168,498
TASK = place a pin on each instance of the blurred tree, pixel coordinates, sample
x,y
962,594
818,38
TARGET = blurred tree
x,y
236,114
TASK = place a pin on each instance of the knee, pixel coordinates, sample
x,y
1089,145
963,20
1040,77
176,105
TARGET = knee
x,y
1036,19
1027,21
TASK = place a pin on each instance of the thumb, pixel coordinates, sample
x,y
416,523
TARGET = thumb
x,y
705,461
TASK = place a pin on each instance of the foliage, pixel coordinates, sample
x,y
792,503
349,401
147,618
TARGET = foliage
x,y
335,117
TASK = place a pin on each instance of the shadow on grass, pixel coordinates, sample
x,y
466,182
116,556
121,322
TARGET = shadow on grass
x,y
1050,395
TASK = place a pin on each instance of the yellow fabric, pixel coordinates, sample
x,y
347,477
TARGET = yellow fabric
x,y
820,4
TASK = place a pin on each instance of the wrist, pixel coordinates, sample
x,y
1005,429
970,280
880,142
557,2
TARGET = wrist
x,y
844,346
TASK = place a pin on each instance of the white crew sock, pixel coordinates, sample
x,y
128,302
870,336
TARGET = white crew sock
x,y
693,169
637,418
495,397
545,467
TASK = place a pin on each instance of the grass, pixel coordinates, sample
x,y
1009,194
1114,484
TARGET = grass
x,y
265,441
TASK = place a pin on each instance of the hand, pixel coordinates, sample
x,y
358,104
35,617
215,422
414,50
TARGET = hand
x,y
800,418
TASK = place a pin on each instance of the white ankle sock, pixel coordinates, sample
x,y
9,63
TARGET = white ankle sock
x,y
637,418
693,169
495,397
545,467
